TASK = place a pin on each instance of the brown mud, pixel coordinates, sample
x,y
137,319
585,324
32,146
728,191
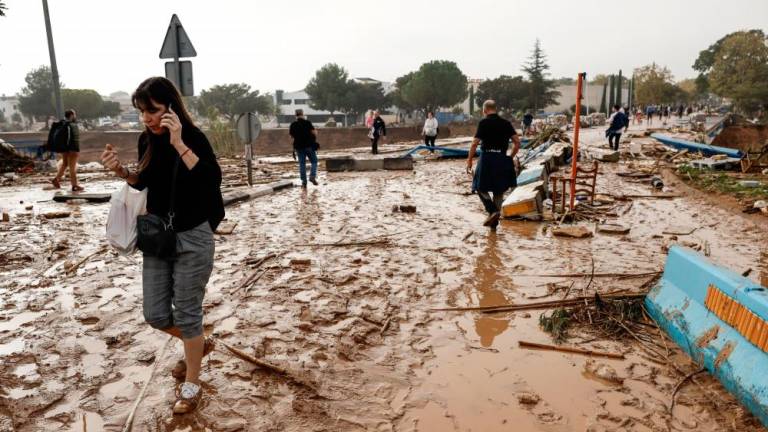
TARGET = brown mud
x,y
352,327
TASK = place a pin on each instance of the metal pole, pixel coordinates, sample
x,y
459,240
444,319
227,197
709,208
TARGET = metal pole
x,y
176,54
54,69
575,156
249,149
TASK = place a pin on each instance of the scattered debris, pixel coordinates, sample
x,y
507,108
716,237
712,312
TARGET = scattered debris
x,y
572,231
56,214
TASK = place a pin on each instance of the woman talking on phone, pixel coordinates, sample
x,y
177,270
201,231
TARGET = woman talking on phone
x,y
184,207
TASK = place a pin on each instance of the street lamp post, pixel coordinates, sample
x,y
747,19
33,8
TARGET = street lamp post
x,y
54,69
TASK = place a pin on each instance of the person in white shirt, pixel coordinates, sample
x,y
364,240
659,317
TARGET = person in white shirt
x,y
430,130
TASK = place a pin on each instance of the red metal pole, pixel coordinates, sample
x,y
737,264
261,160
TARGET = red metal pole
x,y
576,128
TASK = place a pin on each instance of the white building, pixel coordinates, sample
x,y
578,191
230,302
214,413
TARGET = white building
x,y
9,105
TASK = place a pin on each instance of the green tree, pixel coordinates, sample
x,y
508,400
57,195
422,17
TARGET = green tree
x,y
397,95
110,109
3,7
231,100
437,84
654,85
740,70
510,93
16,118
362,97
599,79
706,60
541,92
87,103
328,89
36,99
603,101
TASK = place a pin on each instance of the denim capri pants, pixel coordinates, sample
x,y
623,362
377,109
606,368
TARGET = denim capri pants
x,y
174,287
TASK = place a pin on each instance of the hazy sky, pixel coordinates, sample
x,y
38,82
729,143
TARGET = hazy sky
x,y
111,45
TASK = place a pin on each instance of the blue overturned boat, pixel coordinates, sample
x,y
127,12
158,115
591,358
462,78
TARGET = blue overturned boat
x,y
705,149
720,319
453,152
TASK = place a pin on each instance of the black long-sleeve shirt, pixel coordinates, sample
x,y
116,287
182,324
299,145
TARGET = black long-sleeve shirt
x,y
198,191
379,128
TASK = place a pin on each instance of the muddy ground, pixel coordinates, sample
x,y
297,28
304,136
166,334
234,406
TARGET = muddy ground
x,y
353,328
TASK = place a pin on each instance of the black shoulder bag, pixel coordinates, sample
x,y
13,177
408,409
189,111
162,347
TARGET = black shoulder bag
x,y
155,237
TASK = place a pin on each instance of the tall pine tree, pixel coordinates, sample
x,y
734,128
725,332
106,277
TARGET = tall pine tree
x,y
603,106
542,89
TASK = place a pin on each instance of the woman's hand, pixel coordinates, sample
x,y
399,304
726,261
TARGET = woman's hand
x,y
171,122
110,160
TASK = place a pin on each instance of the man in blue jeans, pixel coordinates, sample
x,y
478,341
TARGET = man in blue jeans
x,y
305,145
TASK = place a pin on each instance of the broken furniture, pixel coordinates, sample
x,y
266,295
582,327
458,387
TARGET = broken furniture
x,y
586,180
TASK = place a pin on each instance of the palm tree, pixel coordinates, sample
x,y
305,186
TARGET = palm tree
x,y
2,8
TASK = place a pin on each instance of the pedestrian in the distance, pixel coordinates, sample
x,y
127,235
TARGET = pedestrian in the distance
x,y
369,119
618,122
430,129
495,170
179,168
305,146
71,155
378,131
649,112
527,123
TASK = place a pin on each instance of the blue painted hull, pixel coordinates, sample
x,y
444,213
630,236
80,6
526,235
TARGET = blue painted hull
x,y
705,149
681,303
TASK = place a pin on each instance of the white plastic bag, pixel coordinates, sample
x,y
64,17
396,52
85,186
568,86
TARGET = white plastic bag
x,y
126,204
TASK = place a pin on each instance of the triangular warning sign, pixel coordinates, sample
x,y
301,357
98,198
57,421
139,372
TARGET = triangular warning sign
x,y
185,48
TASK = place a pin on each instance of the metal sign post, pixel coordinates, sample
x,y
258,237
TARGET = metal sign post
x,y
175,46
248,129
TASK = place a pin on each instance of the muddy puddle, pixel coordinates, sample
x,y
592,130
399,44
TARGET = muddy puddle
x,y
342,303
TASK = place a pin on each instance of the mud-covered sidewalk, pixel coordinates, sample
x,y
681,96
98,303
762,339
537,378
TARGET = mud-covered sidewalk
x,y
335,288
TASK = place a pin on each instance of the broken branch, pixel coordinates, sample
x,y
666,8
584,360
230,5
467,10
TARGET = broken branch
x,y
572,350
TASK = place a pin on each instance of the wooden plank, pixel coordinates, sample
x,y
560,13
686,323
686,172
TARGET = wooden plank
x,y
90,197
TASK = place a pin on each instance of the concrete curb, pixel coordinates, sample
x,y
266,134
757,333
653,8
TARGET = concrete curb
x,y
246,195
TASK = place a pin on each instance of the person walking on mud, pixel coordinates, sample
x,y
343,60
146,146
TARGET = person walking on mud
x,y
305,145
617,123
495,171
179,168
72,153
430,130
378,131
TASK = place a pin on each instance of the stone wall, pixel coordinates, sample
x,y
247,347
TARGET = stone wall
x,y
270,141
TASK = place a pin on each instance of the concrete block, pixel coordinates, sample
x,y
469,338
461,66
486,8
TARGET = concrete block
x,y
282,184
603,155
368,164
532,174
401,163
339,164
525,202
727,164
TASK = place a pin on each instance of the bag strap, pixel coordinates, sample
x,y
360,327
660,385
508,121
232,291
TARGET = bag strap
x,y
171,212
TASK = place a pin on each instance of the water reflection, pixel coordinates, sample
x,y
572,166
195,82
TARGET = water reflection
x,y
485,276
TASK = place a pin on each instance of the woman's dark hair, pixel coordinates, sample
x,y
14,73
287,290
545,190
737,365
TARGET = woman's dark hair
x,y
430,112
164,92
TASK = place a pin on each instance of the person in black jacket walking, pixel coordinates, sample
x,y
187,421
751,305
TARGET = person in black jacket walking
x,y
172,147
378,131
305,145
618,122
